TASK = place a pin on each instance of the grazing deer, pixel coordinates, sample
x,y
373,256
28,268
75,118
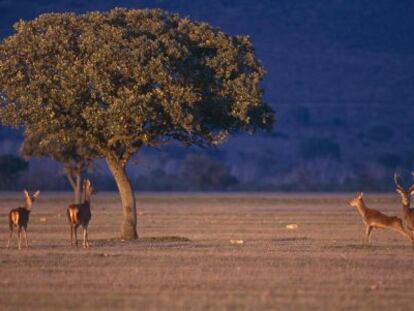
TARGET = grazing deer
x,y
375,219
80,215
19,217
407,211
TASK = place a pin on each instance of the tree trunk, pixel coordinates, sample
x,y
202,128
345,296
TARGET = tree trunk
x,y
78,185
129,221
75,179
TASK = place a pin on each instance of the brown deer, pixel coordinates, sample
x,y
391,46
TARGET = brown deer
x,y
80,215
407,211
19,218
375,219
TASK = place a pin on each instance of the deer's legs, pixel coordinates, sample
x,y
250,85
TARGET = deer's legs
x,y
368,230
410,233
71,234
10,237
19,235
407,233
85,237
75,229
25,237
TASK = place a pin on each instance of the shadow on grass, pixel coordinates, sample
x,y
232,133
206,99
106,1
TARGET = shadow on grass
x,y
150,240
113,242
371,247
163,239
292,239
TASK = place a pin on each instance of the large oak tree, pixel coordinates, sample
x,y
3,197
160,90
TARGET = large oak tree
x,y
124,79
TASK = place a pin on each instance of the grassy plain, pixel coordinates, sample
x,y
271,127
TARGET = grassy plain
x,y
185,261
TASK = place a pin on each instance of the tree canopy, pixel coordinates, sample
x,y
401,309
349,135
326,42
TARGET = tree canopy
x,y
119,80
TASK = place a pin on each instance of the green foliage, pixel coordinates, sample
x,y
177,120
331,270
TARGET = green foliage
x,y
71,153
119,80
11,167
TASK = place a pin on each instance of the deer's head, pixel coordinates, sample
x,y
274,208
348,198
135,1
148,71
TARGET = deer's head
x,y
29,199
357,200
404,194
87,187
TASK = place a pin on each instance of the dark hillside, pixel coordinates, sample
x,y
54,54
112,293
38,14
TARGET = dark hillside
x,y
339,75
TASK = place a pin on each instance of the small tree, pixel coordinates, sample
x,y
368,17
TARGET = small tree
x,y
11,167
125,79
75,156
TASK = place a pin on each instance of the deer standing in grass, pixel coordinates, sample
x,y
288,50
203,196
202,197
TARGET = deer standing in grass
x,y
80,215
407,211
19,218
375,219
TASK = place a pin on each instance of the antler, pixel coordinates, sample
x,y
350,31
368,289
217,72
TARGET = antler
x,y
396,181
412,186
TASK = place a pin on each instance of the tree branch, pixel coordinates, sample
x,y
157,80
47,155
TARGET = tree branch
x,y
70,177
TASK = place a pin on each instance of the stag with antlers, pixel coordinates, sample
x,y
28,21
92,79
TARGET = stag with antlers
x,y
19,218
407,211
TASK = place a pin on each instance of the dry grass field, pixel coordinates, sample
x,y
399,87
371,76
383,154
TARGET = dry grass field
x,y
185,261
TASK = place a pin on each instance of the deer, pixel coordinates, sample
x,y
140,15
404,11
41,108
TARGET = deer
x,y
19,218
375,219
407,211
80,215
